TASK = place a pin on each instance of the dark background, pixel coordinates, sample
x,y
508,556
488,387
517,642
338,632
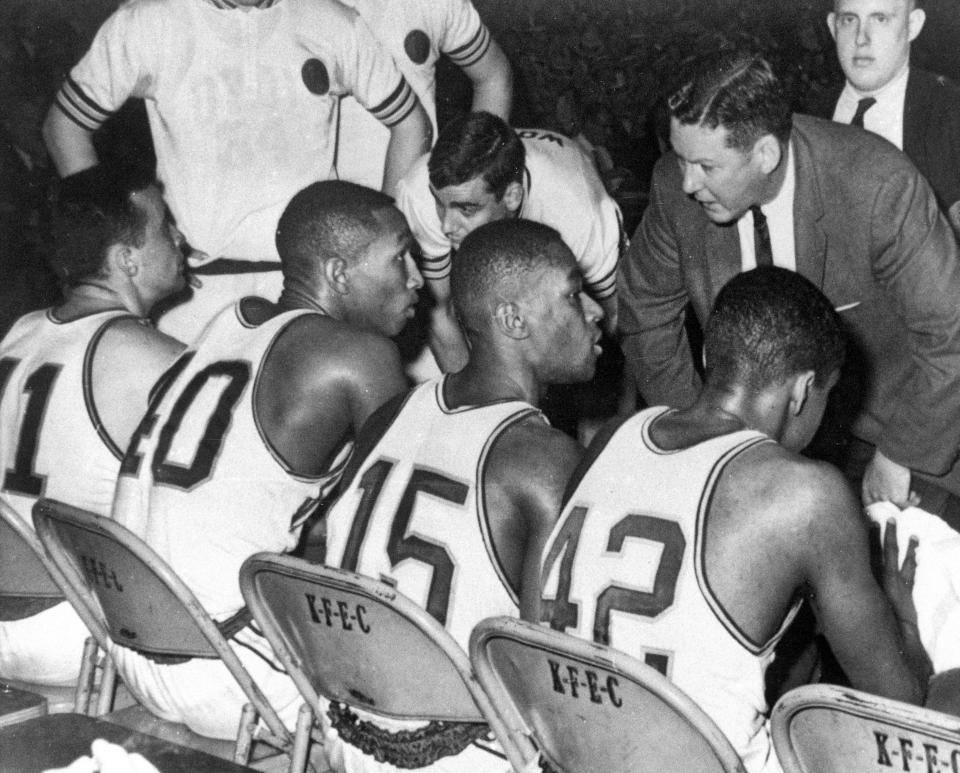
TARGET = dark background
x,y
590,67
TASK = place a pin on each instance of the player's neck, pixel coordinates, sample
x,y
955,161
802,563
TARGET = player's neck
x,y
478,384
90,297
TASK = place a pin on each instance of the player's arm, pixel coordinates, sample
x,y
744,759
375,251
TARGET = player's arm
x,y
129,358
524,481
879,652
445,337
492,80
70,146
410,138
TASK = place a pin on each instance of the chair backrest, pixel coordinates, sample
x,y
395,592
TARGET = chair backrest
x,y
590,707
136,597
358,641
23,572
822,728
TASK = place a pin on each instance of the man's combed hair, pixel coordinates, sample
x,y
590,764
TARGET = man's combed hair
x,y
769,324
93,211
327,219
494,263
477,145
736,90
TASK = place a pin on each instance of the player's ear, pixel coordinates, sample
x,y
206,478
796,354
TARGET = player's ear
x,y
336,275
800,391
513,197
509,320
121,257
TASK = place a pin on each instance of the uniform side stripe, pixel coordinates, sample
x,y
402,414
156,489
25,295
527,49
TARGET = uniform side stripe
x,y
397,97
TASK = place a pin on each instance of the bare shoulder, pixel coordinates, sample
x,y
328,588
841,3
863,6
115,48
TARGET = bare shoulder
x,y
131,343
789,493
533,455
315,348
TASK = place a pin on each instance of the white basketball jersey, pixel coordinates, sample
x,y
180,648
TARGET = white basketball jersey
x,y
561,189
52,443
414,512
624,566
199,482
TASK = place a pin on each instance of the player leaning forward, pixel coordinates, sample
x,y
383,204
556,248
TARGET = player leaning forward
x,y
690,537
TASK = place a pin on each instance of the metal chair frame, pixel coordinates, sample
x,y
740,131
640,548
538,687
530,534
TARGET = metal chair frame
x,y
597,665
363,590
862,733
54,520
22,542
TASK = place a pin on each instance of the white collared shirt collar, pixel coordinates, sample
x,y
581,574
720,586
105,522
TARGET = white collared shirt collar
x,y
779,214
886,116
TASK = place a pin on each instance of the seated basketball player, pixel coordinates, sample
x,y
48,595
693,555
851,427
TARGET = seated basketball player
x,y
254,424
75,379
487,470
724,528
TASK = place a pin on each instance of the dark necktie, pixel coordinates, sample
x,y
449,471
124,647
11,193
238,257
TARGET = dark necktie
x,y
862,106
761,238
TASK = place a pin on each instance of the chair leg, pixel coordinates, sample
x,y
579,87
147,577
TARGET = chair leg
x,y
248,724
108,683
88,667
301,740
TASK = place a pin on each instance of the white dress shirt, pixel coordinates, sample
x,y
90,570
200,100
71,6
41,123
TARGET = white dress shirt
x,y
779,214
886,116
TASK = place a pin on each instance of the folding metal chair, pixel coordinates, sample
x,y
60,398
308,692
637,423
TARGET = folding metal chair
x,y
135,600
359,642
590,707
821,728
26,587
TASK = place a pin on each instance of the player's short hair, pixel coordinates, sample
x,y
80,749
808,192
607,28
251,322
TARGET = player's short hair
x,y
94,210
736,90
328,219
495,261
477,145
769,324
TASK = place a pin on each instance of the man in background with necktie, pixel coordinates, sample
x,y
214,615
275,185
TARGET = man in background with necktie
x,y
748,182
916,110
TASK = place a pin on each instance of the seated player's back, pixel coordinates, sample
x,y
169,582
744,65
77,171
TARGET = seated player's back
x,y
75,379
414,508
201,482
688,538
638,524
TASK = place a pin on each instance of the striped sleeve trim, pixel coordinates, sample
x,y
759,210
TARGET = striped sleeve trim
x,y
472,51
228,4
397,106
605,286
435,268
78,107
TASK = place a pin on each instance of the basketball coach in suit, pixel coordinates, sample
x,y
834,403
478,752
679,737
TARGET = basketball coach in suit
x,y
747,183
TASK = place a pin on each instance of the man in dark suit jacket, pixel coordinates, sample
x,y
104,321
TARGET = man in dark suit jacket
x,y
843,208
917,111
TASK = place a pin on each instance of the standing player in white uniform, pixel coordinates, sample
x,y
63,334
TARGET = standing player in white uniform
x,y
482,170
481,468
75,379
416,33
689,537
254,424
242,106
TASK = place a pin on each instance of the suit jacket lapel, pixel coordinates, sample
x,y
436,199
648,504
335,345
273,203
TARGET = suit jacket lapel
x,y
914,116
810,241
